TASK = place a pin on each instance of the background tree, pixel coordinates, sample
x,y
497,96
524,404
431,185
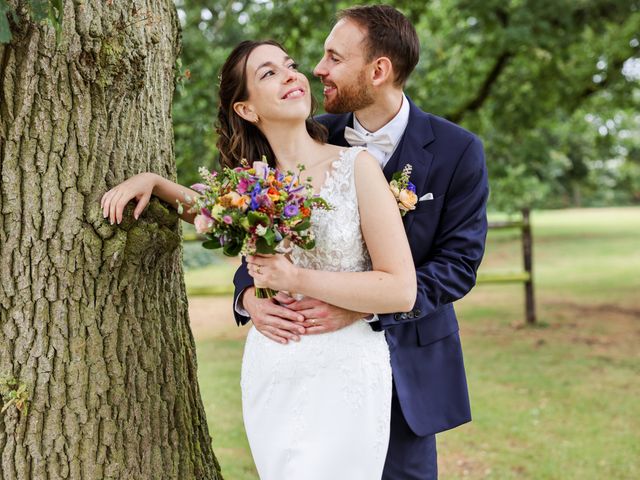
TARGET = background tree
x,y
97,359
541,81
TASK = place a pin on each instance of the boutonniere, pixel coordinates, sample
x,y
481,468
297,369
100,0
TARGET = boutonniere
x,y
404,190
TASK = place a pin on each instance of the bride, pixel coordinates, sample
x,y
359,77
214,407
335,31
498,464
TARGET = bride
x,y
318,408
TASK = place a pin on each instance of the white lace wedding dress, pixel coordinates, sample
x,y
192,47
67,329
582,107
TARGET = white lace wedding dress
x,y
319,409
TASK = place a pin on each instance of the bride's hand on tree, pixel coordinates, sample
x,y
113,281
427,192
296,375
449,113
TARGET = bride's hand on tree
x,y
273,271
139,187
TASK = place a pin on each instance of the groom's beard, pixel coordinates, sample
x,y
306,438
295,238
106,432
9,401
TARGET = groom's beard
x,y
350,98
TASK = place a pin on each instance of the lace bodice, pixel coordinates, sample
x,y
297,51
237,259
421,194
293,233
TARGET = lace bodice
x,y
339,242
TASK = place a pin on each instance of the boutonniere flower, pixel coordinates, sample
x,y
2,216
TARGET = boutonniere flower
x,y
404,190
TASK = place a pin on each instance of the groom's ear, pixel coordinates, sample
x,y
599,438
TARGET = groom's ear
x,y
382,71
245,111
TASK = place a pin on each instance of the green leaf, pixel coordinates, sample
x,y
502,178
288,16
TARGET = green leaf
x,y
257,218
303,225
269,237
231,248
263,247
308,245
212,244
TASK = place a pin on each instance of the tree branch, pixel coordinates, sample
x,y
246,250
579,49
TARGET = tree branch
x,y
478,100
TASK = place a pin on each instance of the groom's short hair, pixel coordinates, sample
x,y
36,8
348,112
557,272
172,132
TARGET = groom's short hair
x,y
389,34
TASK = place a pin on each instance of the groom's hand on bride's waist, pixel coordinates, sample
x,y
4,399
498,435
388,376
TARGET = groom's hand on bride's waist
x,y
275,321
320,317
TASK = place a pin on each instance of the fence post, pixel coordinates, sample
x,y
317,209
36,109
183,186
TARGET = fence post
x,y
527,253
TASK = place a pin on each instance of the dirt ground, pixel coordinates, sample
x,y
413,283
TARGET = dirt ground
x,y
212,317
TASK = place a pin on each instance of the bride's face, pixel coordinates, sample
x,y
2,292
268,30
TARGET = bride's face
x,y
277,91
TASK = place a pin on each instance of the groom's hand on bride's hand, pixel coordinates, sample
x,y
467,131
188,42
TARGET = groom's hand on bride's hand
x,y
320,317
274,321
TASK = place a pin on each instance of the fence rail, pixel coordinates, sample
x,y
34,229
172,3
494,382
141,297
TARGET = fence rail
x,y
525,276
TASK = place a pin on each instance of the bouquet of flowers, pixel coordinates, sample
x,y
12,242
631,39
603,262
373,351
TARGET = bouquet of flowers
x,y
252,209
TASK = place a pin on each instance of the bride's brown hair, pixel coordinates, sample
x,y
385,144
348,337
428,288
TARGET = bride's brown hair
x,y
237,137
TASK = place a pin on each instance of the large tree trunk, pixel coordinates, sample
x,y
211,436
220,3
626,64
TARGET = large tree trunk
x,y
93,317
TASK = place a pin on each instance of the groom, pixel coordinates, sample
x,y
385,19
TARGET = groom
x,y
368,56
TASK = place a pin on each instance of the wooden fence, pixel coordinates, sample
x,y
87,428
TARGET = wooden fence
x,y
526,275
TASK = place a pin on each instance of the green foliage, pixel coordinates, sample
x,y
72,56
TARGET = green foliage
x,y
535,79
38,11
14,393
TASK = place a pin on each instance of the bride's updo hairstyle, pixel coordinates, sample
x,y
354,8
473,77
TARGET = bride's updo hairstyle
x,y
237,137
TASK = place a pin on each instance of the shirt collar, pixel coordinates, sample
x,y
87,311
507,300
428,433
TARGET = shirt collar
x,y
394,128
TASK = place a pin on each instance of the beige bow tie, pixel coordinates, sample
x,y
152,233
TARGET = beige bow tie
x,y
357,139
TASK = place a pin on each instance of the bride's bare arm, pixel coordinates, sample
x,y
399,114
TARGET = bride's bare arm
x,y
141,187
389,287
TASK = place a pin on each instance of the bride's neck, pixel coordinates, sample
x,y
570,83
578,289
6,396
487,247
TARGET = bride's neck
x,y
291,144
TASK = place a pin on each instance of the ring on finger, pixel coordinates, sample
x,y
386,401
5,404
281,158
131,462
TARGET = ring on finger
x,y
258,269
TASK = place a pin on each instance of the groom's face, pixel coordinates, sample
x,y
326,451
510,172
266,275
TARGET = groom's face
x,y
344,71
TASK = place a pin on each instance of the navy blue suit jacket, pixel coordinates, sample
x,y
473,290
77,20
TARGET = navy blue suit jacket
x,y
447,237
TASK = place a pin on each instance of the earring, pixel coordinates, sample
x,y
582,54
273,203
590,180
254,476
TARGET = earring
x,y
256,120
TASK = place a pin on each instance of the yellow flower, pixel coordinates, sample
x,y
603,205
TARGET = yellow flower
x,y
216,211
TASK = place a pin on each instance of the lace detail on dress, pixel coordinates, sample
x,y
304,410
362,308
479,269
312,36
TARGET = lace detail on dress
x,y
339,242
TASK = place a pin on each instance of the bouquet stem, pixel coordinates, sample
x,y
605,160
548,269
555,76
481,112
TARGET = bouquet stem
x,y
265,292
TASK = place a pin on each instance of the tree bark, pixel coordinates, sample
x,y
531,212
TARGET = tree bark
x,y
93,316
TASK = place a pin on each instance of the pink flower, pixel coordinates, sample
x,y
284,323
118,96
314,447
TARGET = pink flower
x,y
243,185
227,219
199,187
202,224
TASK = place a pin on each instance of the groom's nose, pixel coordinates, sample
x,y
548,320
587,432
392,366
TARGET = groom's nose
x,y
320,70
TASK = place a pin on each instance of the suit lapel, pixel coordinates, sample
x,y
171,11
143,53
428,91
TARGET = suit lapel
x,y
336,135
412,150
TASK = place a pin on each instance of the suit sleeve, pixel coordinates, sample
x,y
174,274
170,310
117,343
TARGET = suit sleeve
x,y
241,281
449,272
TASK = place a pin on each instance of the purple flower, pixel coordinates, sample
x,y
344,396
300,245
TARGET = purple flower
x,y
297,189
255,203
206,213
199,187
291,211
411,187
227,219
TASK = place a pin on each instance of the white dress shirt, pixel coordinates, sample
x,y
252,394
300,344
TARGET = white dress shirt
x,y
394,129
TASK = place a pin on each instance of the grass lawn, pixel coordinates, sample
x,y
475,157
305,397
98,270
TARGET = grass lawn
x,y
557,401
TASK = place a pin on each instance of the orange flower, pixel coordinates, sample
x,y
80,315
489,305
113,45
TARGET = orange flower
x,y
305,211
407,200
273,194
233,199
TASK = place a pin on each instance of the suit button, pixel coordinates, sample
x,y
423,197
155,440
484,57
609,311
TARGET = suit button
x,y
397,316
410,315
417,312
403,316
